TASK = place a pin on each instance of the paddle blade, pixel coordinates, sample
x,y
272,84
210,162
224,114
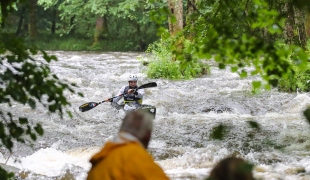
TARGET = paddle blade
x,y
88,106
148,85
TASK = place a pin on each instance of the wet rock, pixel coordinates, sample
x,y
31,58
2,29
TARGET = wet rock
x,y
28,175
301,140
70,172
269,159
296,170
162,155
67,176
217,109
24,174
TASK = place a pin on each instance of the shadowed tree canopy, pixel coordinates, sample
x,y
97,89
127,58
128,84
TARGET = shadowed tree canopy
x,y
28,81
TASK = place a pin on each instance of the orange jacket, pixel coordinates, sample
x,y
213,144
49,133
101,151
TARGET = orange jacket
x,y
124,161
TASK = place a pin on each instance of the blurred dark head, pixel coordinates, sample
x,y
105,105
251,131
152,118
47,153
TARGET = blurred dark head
x,y
139,124
232,168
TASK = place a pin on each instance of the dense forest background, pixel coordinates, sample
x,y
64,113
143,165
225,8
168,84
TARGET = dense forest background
x,y
84,25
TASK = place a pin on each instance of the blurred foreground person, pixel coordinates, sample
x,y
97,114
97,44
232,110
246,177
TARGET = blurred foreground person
x,y
126,158
232,168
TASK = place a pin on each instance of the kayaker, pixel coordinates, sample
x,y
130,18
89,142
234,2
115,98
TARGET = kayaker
x,y
132,96
126,157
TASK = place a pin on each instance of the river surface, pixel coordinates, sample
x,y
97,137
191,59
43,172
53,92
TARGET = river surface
x,y
187,111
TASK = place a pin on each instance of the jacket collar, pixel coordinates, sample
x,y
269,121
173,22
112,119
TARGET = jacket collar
x,y
125,137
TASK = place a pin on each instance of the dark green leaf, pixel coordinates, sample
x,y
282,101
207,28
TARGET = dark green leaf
x,y
32,103
70,114
307,114
6,175
254,124
53,57
23,120
33,136
222,66
218,132
274,82
38,128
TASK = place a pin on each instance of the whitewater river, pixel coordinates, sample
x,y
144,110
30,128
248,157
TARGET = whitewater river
x,y
186,113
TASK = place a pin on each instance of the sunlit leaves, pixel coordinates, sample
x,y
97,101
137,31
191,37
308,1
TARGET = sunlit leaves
x,y
243,74
256,84
47,3
160,14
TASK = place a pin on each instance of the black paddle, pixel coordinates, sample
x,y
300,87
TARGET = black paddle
x,y
90,105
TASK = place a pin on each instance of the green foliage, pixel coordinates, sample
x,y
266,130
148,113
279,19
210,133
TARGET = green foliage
x,y
240,34
163,68
297,79
5,175
74,43
26,80
161,65
6,6
29,82
127,25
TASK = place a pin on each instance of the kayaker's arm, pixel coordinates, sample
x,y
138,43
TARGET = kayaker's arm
x,y
119,95
139,93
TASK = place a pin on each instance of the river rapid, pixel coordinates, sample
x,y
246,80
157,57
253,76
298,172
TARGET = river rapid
x,y
187,111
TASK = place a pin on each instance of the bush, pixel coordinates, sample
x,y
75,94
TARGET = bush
x,y
296,80
161,65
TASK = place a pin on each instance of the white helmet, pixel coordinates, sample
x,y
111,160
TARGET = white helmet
x,y
133,77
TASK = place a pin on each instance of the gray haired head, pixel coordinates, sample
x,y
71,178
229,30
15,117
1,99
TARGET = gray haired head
x,y
139,124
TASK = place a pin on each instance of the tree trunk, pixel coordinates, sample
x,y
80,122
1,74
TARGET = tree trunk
x,y
33,31
53,28
190,19
190,10
176,9
289,26
20,22
300,26
101,30
72,29
307,23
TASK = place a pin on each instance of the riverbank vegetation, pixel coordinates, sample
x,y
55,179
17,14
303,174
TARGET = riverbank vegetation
x,y
269,36
160,64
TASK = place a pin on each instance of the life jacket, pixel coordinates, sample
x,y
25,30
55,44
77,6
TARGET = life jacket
x,y
128,98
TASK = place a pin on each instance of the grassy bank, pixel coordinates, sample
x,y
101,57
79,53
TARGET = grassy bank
x,y
75,43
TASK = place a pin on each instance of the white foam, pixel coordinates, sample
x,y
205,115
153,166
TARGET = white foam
x,y
50,161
